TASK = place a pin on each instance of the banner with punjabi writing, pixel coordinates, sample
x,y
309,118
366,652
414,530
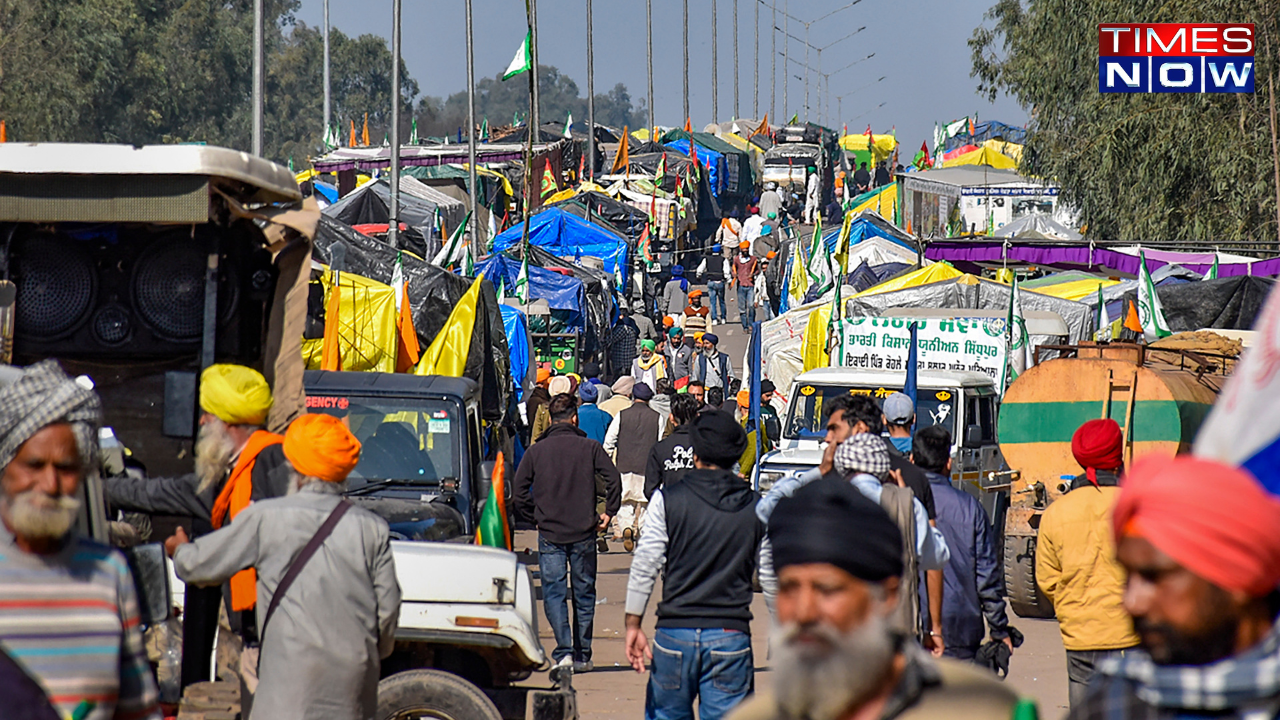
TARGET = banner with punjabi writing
x,y
882,343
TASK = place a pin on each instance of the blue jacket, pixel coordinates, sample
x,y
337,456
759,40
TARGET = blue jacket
x,y
593,421
973,585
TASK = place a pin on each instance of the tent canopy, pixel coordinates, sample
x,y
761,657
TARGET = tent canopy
x,y
934,273
516,326
739,174
1076,289
882,201
564,234
560,292
1230,303
1039,226
984,156
371,205
713,161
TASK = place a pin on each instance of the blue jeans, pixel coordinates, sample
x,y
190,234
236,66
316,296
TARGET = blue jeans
x,y
714,666
555,562
746,306
715,289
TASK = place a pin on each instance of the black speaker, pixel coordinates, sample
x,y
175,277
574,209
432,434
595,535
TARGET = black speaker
x,y
119,292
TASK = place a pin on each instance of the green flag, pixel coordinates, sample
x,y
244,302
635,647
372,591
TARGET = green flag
x,y
794,119
568,125
523,61
453,252
1150,313
1103,319
413,132
1213,271
1019,343
522,280
492,530
484,129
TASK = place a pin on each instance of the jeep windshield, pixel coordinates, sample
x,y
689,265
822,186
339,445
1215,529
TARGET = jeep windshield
x,y
402,439
807,418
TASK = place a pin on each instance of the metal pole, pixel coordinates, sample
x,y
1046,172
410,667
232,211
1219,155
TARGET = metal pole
x,y
755,110
393,229
648,49
736,84
773,62
686,60
327,90
536,125
715,65
591,96
256,141
786,54
474,187
806,73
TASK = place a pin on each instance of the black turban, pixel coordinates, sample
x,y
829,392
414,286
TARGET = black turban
x,y
830,521
718,438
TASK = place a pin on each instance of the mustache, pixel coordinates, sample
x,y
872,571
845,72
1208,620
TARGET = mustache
x,y
36,514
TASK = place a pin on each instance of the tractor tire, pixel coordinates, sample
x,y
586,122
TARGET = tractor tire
x,y
433,694
1025,598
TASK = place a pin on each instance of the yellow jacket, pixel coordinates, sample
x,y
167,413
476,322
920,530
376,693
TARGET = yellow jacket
x,y
1076,569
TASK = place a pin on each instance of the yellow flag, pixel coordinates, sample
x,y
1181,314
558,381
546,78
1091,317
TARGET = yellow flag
x,y
447,354
799,284
331,354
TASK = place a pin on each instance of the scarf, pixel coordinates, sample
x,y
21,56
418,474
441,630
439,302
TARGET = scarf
x,y
654,359
236,494
1243,679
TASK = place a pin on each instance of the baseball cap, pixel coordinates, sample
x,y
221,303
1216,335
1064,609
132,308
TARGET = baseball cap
x,y
898,408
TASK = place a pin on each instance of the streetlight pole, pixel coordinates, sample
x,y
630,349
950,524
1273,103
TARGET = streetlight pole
x,y
256,140
393,225
773,62
786,53
686,60
715,66
648,15
736,84
755,109
591,97
474,187
327,115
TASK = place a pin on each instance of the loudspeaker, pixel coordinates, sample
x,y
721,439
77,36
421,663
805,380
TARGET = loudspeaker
x,y
104,292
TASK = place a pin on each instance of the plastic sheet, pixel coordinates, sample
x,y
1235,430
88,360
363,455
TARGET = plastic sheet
x,y
566,235
366,325
516,326
1226,303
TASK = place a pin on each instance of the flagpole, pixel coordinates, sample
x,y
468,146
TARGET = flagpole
x,y
256,140
715,66
736,106
755,110
686,59
528,151
648,50
474,187
773,61
393,230
327,89
533,56
591,97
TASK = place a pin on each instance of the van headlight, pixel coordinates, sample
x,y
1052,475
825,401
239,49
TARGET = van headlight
x,y
769,477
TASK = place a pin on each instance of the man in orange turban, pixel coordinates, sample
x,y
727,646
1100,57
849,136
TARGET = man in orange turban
x,y
1200,542
322,640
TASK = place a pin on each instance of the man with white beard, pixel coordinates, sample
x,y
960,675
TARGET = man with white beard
x,y
71,612
237,462
839,560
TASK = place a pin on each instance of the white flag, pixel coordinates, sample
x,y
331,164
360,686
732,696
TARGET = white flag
x,y
1016,336
1150,314
1103,319
397,280
522,280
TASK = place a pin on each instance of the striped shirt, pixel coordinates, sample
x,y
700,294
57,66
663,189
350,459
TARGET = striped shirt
x,y
71,620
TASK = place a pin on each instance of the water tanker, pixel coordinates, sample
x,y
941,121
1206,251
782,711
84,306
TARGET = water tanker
x,y
1158,397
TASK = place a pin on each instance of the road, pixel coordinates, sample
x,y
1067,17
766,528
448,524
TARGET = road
x,y
614,690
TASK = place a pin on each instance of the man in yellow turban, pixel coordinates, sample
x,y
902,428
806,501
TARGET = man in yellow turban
x,y
236,462
320,652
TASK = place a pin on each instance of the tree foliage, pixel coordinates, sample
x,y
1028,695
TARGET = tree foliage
x,y
1142,167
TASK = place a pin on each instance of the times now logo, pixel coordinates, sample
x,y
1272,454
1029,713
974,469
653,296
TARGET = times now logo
x,y
1175,58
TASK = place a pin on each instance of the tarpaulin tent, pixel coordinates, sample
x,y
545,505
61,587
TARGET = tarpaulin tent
x,y
566,235
989,130
452,210
496,190
516,326
712,161
371,205
983,156
869,225
433,292
969,254
1037,226
1057,279
1229,303
625,219
934,273
598,286
882,147
1077,289
882,200
563,294
866,275
367,336
1013,150
739,178
969,291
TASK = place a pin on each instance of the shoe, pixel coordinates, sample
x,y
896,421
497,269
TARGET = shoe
x,y
628,539
602,545
583,667
565,662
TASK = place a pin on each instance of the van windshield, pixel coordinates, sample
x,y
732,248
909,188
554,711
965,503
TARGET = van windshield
x,y
807,418
401,439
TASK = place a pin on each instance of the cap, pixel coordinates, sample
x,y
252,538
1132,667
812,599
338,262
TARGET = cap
x,y
898,408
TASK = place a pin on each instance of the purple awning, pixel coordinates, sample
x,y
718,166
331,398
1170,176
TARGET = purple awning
x,y
1082,256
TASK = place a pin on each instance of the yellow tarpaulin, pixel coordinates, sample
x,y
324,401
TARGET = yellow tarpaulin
x,y
448,352
882,145
814,347
934,273
366,325
1013,150
1076,289
984,156
564,194
305,175
883,202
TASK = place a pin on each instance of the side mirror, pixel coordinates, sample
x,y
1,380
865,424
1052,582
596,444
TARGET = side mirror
x,y
179,404
973,436
151,578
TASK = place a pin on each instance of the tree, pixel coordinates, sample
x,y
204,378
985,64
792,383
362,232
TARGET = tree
x,y
1142,167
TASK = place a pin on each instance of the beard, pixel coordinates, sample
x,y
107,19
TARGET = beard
x,y
822,673
214,448
36,515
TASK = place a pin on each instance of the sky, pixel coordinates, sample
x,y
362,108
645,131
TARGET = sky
x,y
919,49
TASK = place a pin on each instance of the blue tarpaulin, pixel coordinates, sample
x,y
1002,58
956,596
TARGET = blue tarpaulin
x,y
710,159
861,229
516,326
566,235
560,291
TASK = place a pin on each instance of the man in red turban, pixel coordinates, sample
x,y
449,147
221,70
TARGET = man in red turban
x,y
1200,542
1076,566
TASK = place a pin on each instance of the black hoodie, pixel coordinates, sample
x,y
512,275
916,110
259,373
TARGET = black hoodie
x,y
555,485
669,460
713,540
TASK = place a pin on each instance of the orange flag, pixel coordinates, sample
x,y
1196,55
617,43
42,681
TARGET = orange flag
x,y
688,125
622,161
1132,321
365,136
410,350
351,139
4,133
330,354
763,129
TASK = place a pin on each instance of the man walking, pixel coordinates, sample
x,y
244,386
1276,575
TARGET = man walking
x,y
973,584
325,634
670,459
70,611
679,353
237,462
704,536
650,366
555,488
744,277
591,419
1076,566
1202,577
811,202
623,343
632,434
835,655
713,368
715,270
695,315
621,398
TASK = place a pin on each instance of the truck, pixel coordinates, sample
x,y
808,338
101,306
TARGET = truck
x,y
137,267
965,403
